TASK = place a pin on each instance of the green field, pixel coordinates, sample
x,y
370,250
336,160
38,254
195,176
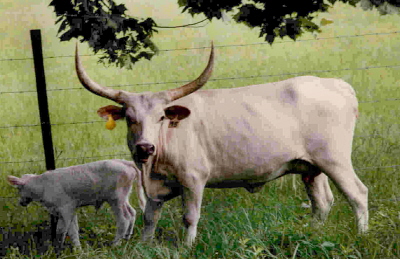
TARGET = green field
x,y
360,47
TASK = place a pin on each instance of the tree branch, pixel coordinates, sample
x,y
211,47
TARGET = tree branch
x,y
179,26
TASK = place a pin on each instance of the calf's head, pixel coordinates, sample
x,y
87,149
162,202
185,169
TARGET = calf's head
x,y
27,192
144,112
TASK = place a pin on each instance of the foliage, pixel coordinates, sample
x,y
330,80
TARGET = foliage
x,y
274,18
383,6
123,40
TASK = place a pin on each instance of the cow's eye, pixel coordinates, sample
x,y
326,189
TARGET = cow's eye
x,y
162,118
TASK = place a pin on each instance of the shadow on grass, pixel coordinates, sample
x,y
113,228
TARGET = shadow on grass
x,y
38,240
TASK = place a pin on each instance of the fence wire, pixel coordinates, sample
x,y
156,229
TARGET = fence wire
x,y
280,205
316,38
371,168
214,79
66,158
230,78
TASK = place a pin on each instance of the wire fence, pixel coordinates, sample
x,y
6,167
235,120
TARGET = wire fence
x,y
304,205
235,78
316,38
391,66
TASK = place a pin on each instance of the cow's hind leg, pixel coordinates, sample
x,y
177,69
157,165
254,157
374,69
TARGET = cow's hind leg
x,y
320,194
353,189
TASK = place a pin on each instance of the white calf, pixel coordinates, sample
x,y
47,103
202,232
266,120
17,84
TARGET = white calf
x,y
63,190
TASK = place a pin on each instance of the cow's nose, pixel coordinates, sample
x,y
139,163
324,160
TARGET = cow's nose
x,y
145,150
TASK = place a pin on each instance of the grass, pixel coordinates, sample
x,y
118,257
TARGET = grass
x,y
234,224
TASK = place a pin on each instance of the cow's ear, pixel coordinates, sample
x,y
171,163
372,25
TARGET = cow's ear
x,y
115,111
176,112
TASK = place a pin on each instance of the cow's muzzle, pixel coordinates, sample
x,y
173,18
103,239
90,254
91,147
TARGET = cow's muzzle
x,y
143,151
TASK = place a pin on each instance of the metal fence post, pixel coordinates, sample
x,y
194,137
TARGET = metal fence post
x,y
42,98
36,40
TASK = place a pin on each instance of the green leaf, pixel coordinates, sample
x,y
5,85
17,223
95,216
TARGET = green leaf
x,y
111,24
325,22
119,9
63,26
182,3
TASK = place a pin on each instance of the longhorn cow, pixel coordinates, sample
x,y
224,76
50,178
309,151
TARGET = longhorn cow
x,y
186,139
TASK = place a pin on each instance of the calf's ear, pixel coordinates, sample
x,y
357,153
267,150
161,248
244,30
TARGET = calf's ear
x,y
15,180
116,112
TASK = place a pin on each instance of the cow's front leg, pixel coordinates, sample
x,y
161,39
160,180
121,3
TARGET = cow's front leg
x,y
192,198
152,212
150,217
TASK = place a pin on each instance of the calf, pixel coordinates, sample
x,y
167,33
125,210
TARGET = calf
x,y
63,190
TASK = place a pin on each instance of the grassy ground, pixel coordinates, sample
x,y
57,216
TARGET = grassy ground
x,y
234,224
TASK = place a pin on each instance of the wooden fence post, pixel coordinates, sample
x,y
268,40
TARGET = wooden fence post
x,y
36,40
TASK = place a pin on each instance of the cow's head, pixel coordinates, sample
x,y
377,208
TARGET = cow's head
x,y
144,112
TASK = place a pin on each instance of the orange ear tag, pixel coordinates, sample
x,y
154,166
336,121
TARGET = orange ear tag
x,y
110,124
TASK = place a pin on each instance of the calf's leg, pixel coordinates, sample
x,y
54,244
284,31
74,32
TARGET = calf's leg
x,y
73,231
122,222
59,241
64,222
130,214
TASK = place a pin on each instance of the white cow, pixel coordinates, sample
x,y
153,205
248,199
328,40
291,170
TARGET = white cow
x,y
63,190
186,139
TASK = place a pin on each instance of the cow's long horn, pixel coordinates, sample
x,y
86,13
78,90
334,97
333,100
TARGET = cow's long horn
x,y
196,84
91,85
